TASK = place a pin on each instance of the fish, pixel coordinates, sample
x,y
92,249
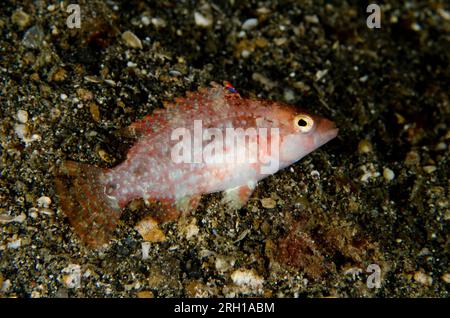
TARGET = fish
x,y
210,140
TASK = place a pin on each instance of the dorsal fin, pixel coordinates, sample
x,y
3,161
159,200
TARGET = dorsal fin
x,y
203,98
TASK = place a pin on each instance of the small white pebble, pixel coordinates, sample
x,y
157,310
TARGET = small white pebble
x,y
446,277
22,116
145,20
388,174
131,40
201,20
423,278
63,96
245,277
320,74
15,244
250,24
429,169
44,202
245,53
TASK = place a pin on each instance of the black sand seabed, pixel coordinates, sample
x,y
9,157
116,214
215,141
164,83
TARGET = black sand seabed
x,y
378,194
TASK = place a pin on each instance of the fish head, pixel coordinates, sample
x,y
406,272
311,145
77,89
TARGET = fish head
x,y
300,132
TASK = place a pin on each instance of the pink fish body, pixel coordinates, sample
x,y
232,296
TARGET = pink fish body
x,y
209,141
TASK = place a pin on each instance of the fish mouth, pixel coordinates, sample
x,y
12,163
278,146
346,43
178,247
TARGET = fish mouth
x,y
328,132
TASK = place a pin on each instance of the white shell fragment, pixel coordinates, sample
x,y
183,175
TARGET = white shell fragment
x,y
131,40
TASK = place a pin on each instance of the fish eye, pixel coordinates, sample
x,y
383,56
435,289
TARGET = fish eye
x,y
304,123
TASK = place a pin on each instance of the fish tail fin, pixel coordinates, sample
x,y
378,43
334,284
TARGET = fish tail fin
x,y
92,214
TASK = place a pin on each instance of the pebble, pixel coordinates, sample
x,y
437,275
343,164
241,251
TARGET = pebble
x,y
313,19
388,174
84,94
268,203
149,230
20,18
423,278
51,7
72,276
44,202
15,244
250,24
412,158
6,218
223,264
246,277
191,229
145,20
5,286
369,172
202,21
159,23
446,277
320,74
429,169
131,40
145,294
63,96
33,38
22,116
365,146
95,112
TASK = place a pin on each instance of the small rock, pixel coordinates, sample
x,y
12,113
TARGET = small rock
x,y
268,203
412,158
95,112
6,285
145,20
15,244
44,202
423,278
202,21
60,75
313,19
51,7
223,264
145,294
429,169
247,278
5,218
388,174
250,24
159,23
149,230
365,146
72,276
446,277
20,18
320,74
191,229
131,40
22,116
84,94
33,38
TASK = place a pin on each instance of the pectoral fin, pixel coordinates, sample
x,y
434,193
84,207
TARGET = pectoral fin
x,y
237,197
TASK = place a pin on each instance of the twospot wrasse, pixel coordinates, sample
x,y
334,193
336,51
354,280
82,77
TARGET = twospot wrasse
x,y
208,141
